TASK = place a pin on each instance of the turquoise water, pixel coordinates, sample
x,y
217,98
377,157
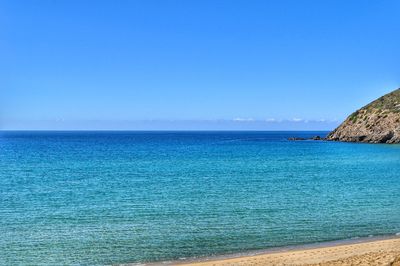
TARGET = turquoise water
x,y
89,198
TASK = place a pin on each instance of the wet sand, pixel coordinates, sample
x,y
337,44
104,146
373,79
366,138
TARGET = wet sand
x,y
375,252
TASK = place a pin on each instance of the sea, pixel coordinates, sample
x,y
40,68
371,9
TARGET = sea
x,y
114,197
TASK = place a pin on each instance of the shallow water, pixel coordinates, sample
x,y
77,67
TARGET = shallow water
x,y
117,197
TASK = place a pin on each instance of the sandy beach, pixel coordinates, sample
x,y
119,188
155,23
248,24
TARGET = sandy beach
x,y
375,252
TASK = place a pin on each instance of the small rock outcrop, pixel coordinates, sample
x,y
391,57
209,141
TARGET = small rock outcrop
x,y
312,138
317,138
296,138
377,122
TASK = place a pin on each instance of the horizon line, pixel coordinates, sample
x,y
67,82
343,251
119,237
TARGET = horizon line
x,y
158,130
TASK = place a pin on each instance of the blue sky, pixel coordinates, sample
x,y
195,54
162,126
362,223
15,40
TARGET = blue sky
x,y
194,64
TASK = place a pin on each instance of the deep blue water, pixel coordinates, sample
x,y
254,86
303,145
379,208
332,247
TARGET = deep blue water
x,y
90,198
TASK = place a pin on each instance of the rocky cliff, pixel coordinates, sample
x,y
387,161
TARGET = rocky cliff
x,y
377,122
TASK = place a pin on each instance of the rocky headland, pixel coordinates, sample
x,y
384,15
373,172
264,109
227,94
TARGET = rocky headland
x,y
377,122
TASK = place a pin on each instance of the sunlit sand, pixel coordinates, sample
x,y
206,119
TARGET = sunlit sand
x,y
378,252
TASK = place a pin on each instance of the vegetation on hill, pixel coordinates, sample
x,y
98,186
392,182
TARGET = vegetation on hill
x,y
377,122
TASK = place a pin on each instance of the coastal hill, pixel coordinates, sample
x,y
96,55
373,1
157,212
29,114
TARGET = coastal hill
x,y
377,122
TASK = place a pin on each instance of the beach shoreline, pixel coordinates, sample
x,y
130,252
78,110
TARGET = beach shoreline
x,y
374,250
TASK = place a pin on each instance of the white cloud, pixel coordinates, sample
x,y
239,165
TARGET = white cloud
x,y
297,119
239,119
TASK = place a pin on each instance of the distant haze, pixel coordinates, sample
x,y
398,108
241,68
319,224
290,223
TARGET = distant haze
x,y
174,125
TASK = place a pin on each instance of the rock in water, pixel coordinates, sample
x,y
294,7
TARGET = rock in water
x,y
377,122
296,139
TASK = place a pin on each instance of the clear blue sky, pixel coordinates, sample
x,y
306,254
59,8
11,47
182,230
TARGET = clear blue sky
x,y
194,64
